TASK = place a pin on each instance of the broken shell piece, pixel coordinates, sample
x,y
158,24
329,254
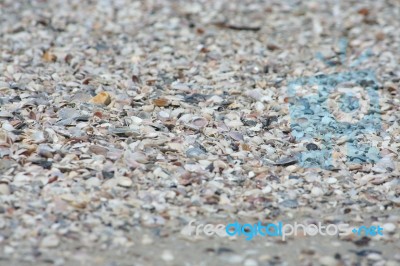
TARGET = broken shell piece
x,y
123,131
101,98
195,153
66,113
236,135
162,115
6,114
199,122
161,102
139,157
233,123
49,57
96,149
287,161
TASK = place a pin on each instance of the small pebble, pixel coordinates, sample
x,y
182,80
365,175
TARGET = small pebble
x,y
328,261
8,250
389,228
4,189
93,182
332,180
374,256
50,241
289,203
312,147
232,258
316,191
125,182
2,223
167,256
147,240
250,262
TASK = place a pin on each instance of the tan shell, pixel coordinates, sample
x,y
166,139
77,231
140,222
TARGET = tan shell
x,y
101,98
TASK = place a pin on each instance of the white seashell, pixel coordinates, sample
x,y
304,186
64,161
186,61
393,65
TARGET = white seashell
x,y
233,123
7,126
